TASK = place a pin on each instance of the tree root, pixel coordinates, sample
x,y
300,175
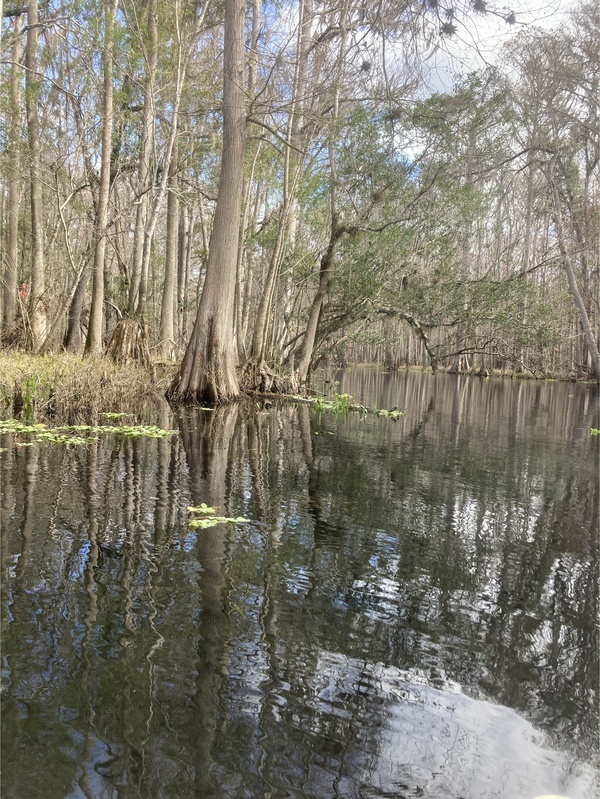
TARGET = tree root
x,y
259,378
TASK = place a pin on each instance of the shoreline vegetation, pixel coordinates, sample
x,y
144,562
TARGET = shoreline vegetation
x,y
66,388
69,389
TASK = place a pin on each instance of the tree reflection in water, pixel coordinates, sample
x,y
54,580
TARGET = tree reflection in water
x,y
409,612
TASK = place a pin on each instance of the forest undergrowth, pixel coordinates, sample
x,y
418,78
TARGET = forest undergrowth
x,y
68,388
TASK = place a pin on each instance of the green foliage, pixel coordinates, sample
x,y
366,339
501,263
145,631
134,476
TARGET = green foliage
x,y
70,434
342,404
393,414
210,519
594,431
29,387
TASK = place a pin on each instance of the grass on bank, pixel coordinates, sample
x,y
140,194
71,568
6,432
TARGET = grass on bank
x,y
71,389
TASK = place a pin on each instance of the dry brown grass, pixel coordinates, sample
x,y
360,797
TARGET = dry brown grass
x,y
72,389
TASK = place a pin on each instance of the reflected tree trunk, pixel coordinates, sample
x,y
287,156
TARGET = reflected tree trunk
x,y
163,483
89,621
207,443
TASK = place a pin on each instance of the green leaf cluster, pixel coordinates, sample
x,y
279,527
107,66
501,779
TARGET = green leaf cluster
x,y
71,434
210,519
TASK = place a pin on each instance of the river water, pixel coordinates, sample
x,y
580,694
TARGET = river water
x,y
409,611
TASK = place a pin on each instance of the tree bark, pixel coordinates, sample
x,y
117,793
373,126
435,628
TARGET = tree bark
x,y
207,372
310,335
74,340
167,322
139,276
94,340
572,281
38,317
12,250
256,373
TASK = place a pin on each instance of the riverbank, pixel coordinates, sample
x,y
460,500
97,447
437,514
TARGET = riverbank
x,y
73,389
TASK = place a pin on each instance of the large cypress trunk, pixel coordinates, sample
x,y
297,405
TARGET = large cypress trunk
x,y
207,373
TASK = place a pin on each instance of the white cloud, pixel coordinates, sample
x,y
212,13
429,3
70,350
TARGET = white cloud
x,y
479,38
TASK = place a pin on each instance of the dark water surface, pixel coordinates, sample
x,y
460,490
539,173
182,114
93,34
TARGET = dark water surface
x,y
410,611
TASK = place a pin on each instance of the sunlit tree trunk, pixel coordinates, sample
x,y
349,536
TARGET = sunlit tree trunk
x,y
38,317
242,279
94,340
167,321
139,276
207,373
12,249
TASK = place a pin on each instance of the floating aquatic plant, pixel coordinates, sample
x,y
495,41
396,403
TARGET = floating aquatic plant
x,y
77,433
210,518
342,404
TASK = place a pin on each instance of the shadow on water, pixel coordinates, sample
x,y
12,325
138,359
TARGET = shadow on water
x,y
410,610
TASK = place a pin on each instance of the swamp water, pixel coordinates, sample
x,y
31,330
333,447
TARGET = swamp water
x,y
410,610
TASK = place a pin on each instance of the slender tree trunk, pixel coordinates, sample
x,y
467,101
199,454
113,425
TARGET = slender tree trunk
x,y
256,373
182,274
460,361
527,250
244,262
74,340
207,373
138,278
187,221
243,280
572,280
94,341
148,222
158,201
38,317
303,368
310,336
121,347
12,249
167,324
